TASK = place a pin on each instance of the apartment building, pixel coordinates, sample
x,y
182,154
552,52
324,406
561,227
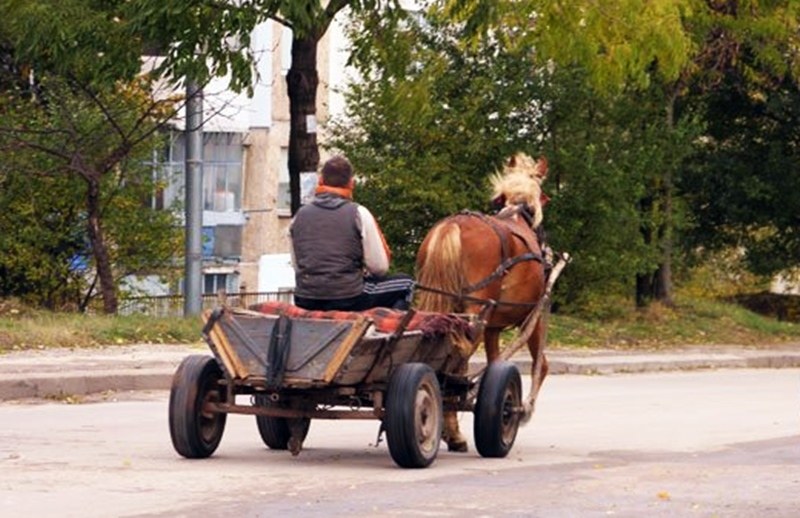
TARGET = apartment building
x,y
245,164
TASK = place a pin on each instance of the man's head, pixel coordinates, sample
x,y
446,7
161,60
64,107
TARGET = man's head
x,y
337,172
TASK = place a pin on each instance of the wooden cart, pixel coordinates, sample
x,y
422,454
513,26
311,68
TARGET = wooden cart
x,y
297,369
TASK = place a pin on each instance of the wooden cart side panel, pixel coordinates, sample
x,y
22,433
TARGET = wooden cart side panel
x,y
323,352
433,352
356,333
360,360
224,352
317,346
394,354
313,344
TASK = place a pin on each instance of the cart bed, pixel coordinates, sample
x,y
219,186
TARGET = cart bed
x,y
282,346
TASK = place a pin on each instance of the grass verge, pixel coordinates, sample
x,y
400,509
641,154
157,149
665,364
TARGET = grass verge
x,y
690,322
40,329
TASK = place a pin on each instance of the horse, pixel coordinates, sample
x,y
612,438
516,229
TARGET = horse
x,y
471,262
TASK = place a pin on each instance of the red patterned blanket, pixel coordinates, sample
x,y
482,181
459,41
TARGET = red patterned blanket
x,y
432,325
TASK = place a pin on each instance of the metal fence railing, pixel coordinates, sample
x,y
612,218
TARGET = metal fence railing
x,y
172,305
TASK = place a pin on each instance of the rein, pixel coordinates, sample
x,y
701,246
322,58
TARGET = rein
x,y
477,300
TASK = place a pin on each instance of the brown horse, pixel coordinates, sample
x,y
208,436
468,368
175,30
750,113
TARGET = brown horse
x,y
470,261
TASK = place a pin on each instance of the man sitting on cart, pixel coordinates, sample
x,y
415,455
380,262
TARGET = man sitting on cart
x,y
339,253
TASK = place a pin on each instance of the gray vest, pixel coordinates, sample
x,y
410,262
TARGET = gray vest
x,y
328,249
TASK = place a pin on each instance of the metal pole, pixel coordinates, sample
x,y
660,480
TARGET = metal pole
x,y
194,200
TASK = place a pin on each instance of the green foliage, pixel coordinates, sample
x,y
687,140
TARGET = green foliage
x,y
201,39
88,40
40,235
615,42
432,123
609,155
48,257
744,185
720,274
445,115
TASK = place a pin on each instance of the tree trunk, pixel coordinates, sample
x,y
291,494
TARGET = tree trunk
x,y
644,281
657,285
302,81
644,289
99,248
663,279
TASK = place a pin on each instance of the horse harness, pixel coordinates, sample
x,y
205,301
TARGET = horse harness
x,y
506,262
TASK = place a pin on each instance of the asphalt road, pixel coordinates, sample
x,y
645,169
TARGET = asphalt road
x,y
700,443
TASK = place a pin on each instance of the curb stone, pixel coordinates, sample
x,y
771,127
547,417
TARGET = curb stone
x,y
57,374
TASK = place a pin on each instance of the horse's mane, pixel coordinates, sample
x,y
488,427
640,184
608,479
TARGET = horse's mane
x,y
520,182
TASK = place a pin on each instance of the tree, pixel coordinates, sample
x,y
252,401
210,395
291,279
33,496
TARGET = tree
x,y
671,44
40,235
607,154
87,113
630,117
199,36
69,142
423,143
425,135
743,187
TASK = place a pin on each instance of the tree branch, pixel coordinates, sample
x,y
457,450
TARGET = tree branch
x,y
280,20
332,9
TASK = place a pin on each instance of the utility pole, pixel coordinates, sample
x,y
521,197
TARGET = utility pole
x,y
194,200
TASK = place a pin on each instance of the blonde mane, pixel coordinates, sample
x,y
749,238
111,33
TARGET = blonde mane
x,y
520,181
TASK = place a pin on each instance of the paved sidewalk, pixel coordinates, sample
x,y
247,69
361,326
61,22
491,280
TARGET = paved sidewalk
x,y
59,373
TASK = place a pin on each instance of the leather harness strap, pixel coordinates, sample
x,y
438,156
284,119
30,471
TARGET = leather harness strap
x,y
506,262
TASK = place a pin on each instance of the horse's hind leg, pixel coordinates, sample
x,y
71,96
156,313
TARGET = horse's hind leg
x,y
452,434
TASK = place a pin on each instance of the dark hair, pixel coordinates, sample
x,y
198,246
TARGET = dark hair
x,y
337,172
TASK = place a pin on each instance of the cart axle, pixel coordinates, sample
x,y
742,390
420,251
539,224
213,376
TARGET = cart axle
x,y
225,408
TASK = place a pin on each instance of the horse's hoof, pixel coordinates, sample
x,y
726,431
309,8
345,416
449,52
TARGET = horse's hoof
x,y
527,413
457,446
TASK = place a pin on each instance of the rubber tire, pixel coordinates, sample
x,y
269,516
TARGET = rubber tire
x,y
275,431
413,415
495,423
196,435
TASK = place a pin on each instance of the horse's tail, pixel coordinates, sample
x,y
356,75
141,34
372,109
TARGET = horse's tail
x,y
440,269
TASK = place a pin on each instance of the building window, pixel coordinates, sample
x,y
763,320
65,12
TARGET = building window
x,y
167,164
222,171
213,283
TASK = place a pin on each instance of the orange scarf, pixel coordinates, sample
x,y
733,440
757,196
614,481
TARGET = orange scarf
x,y
344,192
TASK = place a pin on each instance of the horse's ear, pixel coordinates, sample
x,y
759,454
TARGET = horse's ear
x,y
512,161
541,167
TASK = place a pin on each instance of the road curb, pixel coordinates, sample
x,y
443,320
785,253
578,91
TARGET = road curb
x,y
60,385
633,366
80,384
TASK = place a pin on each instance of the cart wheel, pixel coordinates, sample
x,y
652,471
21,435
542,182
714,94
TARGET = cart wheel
x,y
497,412
413,419
195,433
276,431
